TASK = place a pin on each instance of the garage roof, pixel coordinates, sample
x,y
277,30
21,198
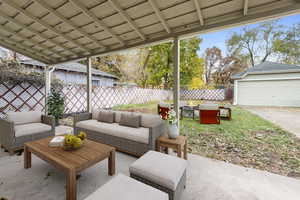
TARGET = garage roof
x,y
268,68
64,30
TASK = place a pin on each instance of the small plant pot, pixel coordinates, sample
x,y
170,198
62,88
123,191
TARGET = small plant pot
x,y
173,131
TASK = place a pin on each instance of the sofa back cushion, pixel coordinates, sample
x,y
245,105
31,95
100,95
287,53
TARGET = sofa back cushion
x,y
118,115
150,120
95,114
106,116
25,117
131,120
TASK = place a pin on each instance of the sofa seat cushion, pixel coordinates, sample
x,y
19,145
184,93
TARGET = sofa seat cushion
x,y
126,188
25,117
140,134
167,171
30,129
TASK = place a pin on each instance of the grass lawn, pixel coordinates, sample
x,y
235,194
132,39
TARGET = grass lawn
x,y
246,140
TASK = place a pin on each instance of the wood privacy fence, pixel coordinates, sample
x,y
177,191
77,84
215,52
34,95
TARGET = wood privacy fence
x,y
28,96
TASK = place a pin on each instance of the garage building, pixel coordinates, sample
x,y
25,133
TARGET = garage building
x,y
268,84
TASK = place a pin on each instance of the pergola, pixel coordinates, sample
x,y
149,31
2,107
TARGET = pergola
x,y
60,31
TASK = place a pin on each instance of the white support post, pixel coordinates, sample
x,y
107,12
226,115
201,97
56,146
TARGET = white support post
x,y
176,87
89,84
235,92
48,72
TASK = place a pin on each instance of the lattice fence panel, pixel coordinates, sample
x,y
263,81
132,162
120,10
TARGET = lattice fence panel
x,y
21,97
214,95
107,97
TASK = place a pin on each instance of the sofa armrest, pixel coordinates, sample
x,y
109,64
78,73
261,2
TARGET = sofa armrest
x,y
155,132
47,119
81,117
7,132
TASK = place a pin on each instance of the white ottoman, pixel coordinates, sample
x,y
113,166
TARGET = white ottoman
x,y
126,188
164,172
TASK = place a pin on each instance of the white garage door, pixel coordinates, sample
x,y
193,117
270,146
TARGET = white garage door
x,y
269,93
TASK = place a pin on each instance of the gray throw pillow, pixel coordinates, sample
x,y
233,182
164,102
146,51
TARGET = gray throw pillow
x,y
106,116
130,120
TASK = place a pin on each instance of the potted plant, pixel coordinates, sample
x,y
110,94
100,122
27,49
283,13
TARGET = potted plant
x,y
55,105
171,120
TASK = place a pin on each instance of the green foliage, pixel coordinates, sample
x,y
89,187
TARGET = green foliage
x,y
160,63
55,104
256,44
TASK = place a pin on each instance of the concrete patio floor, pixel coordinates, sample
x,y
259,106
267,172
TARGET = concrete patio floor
x,y
287,118
207,180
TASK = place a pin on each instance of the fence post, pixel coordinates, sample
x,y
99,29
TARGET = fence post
x,y
89,84
48,72
176,87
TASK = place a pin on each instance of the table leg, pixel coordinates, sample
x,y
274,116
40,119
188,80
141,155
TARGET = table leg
x,y
71,189
185,150
27,158
179,151
111,163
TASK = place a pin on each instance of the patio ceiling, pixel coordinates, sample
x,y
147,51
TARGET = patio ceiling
x,y
64,30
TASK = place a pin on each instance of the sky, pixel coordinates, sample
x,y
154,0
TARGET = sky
x,y
219,38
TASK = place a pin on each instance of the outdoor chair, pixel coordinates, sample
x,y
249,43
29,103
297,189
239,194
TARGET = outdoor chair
x,y
225,112
21,127
209,114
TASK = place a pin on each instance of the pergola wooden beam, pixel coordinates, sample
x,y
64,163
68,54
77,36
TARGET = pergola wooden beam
x,y
34,43
246,7
127,18
90,14
13,20
199,12
42,23
21,50
159,15
69,22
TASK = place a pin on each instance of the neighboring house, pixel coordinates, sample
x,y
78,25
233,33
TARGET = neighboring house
x,y
268,84
74,73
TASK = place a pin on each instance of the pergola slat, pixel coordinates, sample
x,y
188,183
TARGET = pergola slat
x,y
22,51
69,22
43,23
23,26
123,24
199,12
246,7
159,15
127,18
35,43
89,13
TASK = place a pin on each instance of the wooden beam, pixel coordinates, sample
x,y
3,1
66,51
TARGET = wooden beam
x,y
14,47
159,15
199,12
35,43
23,26
69,22
26,47
246,7
42,23
89,83
127,18
90,14
176,86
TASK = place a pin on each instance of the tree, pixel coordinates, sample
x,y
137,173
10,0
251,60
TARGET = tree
x,y
288,47
212,57
160,65
257,43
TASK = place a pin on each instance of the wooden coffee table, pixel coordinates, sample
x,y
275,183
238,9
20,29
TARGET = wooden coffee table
x,y
70,162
